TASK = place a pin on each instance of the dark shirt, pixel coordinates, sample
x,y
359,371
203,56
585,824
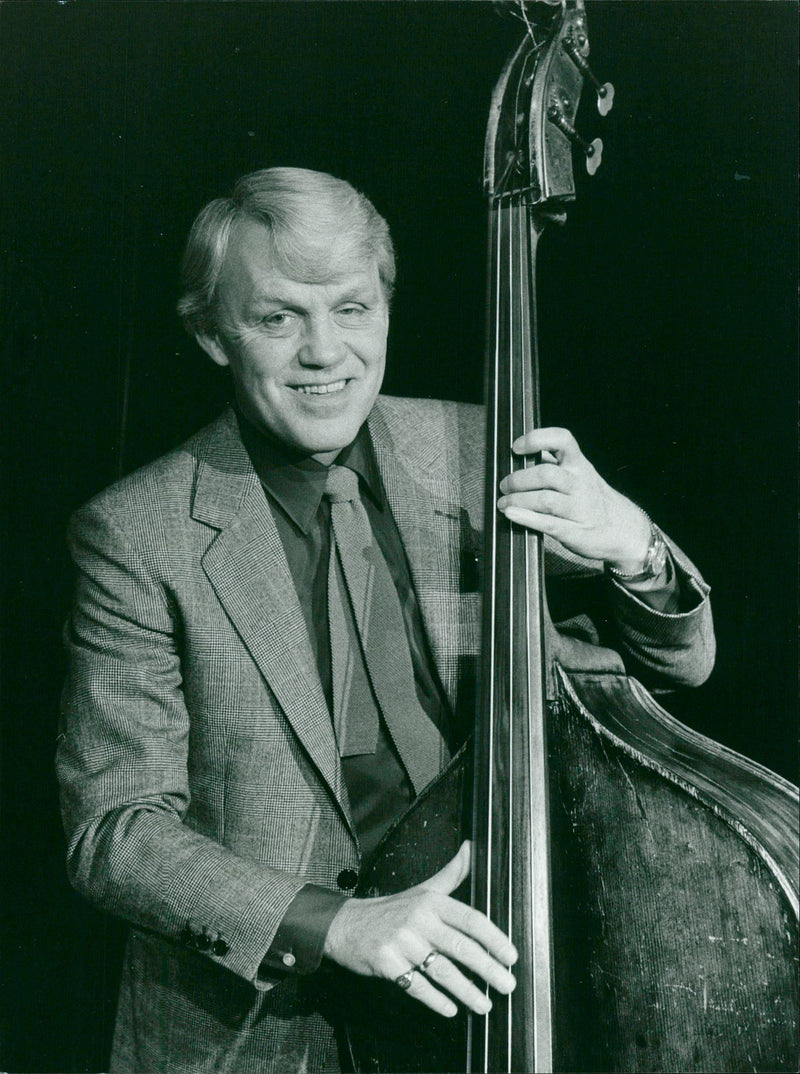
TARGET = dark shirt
x,y
378,786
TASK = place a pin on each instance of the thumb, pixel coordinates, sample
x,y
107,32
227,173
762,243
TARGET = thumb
x,y
448,878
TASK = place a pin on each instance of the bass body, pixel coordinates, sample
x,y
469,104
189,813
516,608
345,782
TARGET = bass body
x,y
675,927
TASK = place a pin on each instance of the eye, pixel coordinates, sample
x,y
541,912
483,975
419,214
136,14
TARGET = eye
x,y
281,319
352,311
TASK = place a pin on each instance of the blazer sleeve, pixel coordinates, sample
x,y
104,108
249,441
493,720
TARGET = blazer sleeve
x,y
664,649
122,763
675,648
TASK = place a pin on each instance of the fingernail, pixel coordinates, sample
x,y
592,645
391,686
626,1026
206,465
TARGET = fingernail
x,y
508,984
501,503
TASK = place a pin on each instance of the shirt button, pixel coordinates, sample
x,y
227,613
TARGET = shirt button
x,y
288,959
347,879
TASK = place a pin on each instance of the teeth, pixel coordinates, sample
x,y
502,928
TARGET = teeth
x,y
321,389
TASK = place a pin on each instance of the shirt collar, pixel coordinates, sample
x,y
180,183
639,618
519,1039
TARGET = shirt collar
x,y
296,481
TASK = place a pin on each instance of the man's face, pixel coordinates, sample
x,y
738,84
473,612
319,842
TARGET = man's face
x,y
307,359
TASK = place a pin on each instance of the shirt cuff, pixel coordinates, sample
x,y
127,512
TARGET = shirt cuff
x,y
663,593
298,944
636,609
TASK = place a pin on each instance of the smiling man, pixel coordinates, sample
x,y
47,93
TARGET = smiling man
x,y
273,650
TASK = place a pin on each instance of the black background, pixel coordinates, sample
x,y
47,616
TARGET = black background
x,y
668,324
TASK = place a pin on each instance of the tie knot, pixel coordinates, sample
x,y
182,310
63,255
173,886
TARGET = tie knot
x,y
342,485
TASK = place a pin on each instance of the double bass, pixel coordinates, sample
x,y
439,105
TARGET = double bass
x,y
647,875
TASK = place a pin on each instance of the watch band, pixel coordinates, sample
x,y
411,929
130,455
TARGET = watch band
x,y
654,559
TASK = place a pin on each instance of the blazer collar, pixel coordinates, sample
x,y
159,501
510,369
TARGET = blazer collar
x,y
225,476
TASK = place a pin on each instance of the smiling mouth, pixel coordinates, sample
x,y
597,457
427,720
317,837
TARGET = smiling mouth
x,y
320,389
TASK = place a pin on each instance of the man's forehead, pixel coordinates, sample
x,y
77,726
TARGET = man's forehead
x,y
253,265
274,285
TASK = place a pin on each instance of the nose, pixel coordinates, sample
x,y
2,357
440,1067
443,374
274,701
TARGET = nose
x,y
321,346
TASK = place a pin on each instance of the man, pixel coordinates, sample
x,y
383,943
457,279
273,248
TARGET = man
x,y
230,748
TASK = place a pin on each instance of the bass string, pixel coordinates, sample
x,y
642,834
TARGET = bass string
x,y
520,367
496,236
521,416
510,358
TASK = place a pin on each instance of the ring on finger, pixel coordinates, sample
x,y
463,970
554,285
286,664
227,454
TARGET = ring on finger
x,y
404,980
425,964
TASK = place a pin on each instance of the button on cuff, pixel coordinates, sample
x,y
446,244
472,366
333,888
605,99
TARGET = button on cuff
x,y
200,940
220,947
347,879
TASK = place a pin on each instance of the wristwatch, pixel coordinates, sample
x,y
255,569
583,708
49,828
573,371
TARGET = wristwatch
x,y
654,560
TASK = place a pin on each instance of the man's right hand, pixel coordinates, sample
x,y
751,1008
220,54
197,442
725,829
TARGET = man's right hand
x,y
390,936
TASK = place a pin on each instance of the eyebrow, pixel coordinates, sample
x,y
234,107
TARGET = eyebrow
x,y
368,290
270,298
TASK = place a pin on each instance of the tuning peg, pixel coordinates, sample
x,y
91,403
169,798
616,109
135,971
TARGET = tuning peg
x,y
592,150
605,91
594,155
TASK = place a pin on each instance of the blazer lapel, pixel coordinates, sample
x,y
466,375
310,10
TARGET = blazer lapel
x,y
247,567
419,467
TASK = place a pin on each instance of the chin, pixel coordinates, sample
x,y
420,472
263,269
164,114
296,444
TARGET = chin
x,y
332,439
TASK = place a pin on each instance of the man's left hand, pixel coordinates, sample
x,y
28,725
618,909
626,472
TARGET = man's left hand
x,y
564,497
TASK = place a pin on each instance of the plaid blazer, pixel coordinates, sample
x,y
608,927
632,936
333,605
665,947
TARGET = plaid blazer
x,y
201,785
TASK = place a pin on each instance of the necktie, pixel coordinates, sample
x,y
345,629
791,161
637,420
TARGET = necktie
x,y
372,671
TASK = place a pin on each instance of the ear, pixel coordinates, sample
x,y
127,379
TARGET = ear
x,y
212,346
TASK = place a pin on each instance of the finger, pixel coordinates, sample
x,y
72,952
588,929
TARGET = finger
x,y
560,442
475,927
452,980
543,476
551,525
443,976
453,874
421,989
454,946
541,501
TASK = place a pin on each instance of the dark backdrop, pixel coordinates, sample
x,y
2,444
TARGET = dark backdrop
x,y
668,324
